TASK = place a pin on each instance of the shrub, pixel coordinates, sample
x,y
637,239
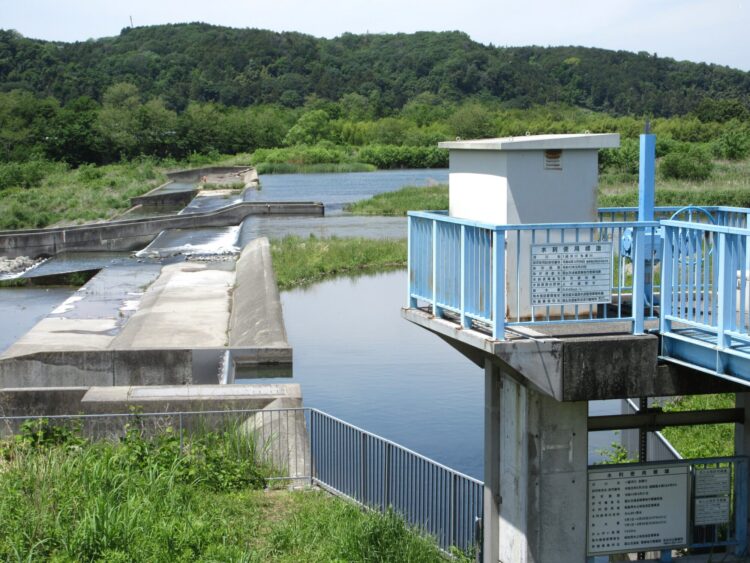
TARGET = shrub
x,y
693,163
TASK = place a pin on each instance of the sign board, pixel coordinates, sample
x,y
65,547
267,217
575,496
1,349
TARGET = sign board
x,y
711,510
712,481
640,509
571,273
712,488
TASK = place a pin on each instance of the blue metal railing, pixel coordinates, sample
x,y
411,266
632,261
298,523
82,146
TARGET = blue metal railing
x,y
720,214
706,300
480,272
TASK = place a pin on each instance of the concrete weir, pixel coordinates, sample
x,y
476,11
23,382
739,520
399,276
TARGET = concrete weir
x,y
136,233
190,317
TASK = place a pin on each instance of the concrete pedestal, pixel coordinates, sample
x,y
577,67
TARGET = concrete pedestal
x,y
536,459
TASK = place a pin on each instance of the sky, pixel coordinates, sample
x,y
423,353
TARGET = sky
x,y
713,31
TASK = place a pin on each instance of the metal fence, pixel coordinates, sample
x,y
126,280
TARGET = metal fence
x,y
378,473
305,446
707,296
481,273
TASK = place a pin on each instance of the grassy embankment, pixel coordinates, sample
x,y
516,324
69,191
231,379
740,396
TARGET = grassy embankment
x,y
50,193
299,262
147,499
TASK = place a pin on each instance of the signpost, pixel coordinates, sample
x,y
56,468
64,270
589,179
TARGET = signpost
x,y
571,273
640,509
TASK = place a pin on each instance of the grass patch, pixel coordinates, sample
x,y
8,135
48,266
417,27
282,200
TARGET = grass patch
x,y
704,440
729,184
63,498
298,261
409,198
324,167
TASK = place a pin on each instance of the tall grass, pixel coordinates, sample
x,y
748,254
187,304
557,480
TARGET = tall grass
x,y
399,202
155,498
298,261
325,167
703,440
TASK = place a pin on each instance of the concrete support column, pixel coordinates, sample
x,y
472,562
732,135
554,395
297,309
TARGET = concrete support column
x,y
536,461
742,431
491,462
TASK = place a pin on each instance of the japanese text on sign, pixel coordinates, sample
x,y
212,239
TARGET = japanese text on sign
x,y
637,509
571,273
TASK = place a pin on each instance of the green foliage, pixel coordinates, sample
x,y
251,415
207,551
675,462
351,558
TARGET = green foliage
x,y
734,143
616,453
691,164
399,202
310,128
41,433
705,440
298,261
350,534
145,499
379,73
391,156
28,174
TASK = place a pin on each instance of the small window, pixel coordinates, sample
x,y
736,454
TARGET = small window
x,y
553,159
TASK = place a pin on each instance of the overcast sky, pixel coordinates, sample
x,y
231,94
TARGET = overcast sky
x,y
715,31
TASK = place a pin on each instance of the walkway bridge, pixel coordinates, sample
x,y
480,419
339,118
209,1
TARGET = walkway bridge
x,y
684,277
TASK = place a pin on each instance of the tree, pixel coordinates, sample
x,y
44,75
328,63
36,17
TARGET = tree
x,y
310,128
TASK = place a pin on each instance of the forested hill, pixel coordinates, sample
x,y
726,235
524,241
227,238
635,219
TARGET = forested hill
x,y
240,67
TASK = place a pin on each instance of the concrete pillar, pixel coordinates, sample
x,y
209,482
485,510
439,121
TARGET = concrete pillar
x,y
490,524
742,431
539,446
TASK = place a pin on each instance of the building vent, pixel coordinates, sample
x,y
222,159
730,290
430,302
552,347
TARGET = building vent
x,y
553,159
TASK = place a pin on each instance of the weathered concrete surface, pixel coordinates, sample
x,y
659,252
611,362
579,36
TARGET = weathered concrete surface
x,y
181,327
195,174
166,398
280,435
257,321
135,233
41,401
97,367
536,460
158,197
597,366
187,307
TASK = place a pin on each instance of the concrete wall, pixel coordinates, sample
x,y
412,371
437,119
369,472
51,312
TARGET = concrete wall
x,y
98,367
195,174
136,233
256,327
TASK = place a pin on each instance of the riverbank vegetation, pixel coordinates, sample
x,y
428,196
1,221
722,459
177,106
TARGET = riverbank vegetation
x,y
299,261
64,498
400,201
704,440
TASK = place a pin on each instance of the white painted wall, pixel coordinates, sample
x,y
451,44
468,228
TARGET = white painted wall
x,y
513,187
478,186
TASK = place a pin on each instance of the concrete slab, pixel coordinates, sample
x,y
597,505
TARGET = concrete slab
x,y
187,307
56,334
